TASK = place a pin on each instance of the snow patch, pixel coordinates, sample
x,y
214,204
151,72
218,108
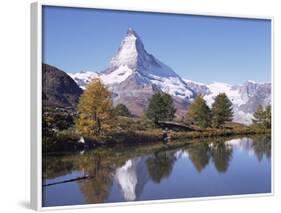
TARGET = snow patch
x,y
173,86
127,54
194,82
242,117
217,88
82,78
117,76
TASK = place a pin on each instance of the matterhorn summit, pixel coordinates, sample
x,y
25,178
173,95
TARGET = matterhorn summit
x,y
134,75
130,51
131,54
133,59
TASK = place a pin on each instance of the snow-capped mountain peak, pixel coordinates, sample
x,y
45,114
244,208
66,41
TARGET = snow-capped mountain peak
x,y
132,54
130,50
132,59
134,75
133,72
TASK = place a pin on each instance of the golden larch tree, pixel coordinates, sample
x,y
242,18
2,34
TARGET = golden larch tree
x,y
95,110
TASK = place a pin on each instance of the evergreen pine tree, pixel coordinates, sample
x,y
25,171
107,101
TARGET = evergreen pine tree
x,y
121,110
199,113
221,110
95,110
259,116
161,108
262,117
268,117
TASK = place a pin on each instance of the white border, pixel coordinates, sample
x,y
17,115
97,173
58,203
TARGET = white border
x,y
36,106
36,102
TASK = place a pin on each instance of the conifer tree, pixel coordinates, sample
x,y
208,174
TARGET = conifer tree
x,y
221,110
262,117
268,117
95,110
121,110
259,116
199,113
161,108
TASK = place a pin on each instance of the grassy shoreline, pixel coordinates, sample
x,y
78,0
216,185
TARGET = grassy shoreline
x,y
67,140
60,133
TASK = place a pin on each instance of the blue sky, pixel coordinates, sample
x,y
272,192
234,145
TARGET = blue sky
x,y
200,48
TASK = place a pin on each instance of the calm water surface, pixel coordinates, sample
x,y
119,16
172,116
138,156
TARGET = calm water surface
x,y
149,172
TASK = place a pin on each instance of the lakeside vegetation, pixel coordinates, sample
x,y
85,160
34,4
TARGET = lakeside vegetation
x,y
100,123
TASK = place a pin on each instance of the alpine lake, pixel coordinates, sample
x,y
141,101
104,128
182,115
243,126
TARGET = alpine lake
x,y
120,173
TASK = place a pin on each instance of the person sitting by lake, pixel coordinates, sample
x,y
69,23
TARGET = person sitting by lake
x,y
166,135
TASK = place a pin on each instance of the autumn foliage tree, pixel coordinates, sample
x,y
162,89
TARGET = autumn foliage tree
x,y
199,113
95,110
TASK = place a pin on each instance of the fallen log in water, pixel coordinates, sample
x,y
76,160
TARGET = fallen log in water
x,y
66,181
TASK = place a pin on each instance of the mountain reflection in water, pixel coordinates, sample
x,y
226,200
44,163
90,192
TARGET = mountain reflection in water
x,y
205,168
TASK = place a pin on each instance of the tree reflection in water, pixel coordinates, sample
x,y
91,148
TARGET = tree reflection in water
x,y
262,146
160,165
131,168
200,155
96,189
53,167
221,153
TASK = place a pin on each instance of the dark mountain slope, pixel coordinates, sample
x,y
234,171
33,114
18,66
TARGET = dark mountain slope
x,y
58,89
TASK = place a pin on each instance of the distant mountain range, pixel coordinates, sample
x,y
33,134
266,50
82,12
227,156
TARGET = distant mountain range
x,y
245,97
134,75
